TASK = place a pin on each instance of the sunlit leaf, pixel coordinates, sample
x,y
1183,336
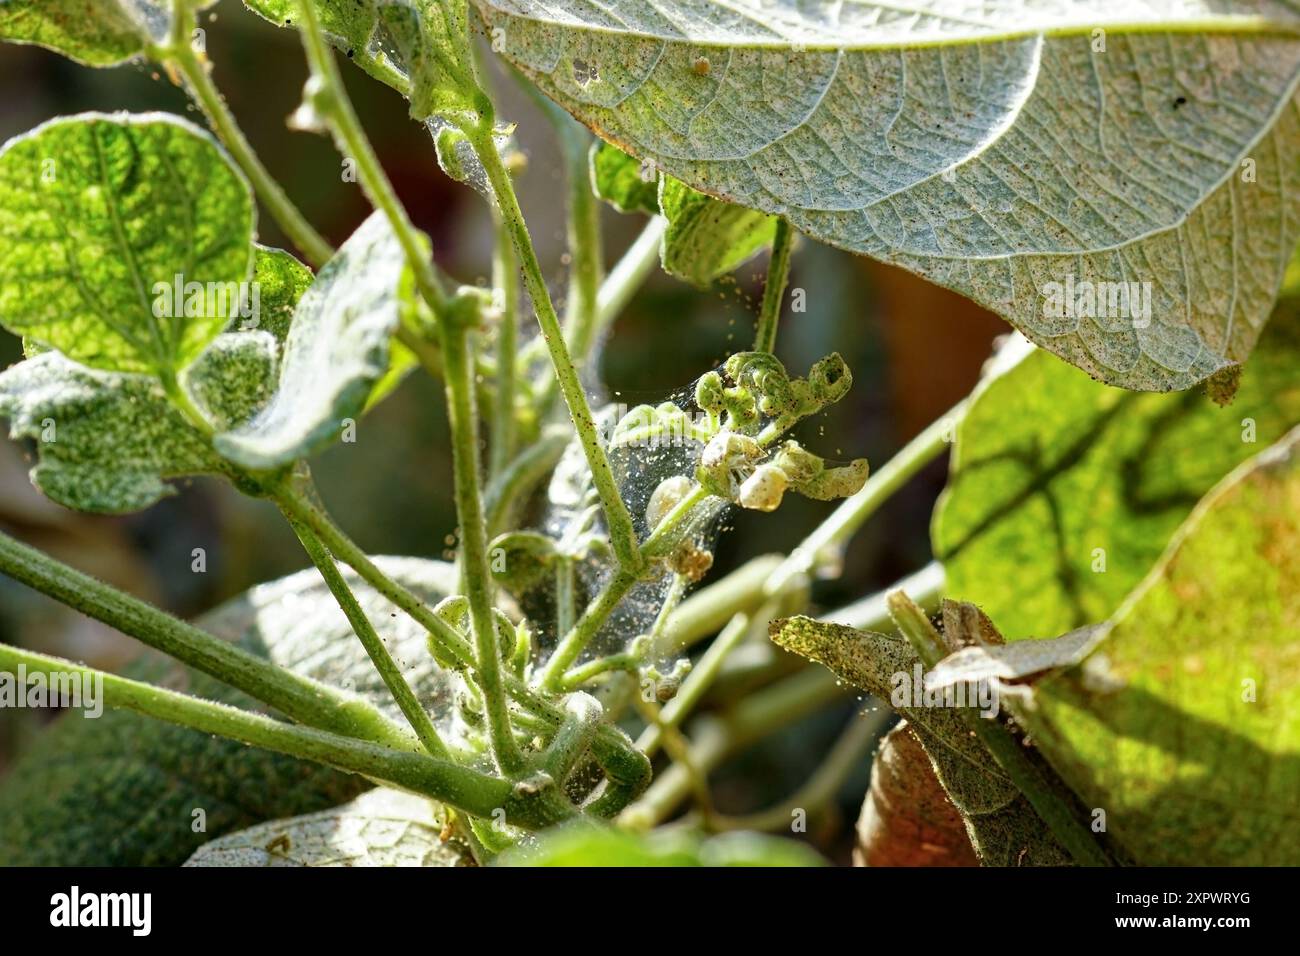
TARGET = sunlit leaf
x,y
1064,492
1183,725
125,240
994,149
99,33
593,846
337,349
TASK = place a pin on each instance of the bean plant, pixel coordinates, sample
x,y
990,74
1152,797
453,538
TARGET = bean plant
x,y
1099,666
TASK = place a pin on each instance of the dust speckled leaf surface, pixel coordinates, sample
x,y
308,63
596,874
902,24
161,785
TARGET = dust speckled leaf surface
x,y
1004,829
121,790
101,216
381,827
93,32
993,149
1064,492
106,441
1184,722
337,349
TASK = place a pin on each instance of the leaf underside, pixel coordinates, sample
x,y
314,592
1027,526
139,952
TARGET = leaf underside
x,y
993,150
381,827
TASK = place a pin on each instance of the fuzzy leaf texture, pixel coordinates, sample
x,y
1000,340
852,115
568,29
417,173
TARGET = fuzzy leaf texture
x,y
101,216
1004,829
98,33
337,349
381,827
1064,492
121,790
108,441
418,47
992,148
1183,724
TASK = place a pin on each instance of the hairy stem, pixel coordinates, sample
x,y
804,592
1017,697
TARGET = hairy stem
x,y
622,533
462,414
778,274
298,697
845,520
629,273
388,670
847,755
620,760
458,786
329,99
197,72
505,278
717,738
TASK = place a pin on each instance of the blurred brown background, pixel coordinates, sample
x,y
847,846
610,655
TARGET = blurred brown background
x,y
914,350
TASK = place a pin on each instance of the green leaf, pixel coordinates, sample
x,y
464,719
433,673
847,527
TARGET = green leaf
x,y
432,40
586,845
707,238
120,790
993,149
102,33
102,218
107,441
280,280
418,47
1184,722
337,349
617,178
1004,829
379,828
1064,492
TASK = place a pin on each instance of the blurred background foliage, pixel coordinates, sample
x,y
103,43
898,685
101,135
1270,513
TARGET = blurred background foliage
x,y
914,350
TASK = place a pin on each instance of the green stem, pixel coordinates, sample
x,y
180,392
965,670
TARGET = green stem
x,y
388,670
716,739
329,98
505,277
621,531
697,682
629,273
628,768
1044,795
461,787
298,697
180,53
622,283
585,266
778,274
513,485
582,718
457,364
582,633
